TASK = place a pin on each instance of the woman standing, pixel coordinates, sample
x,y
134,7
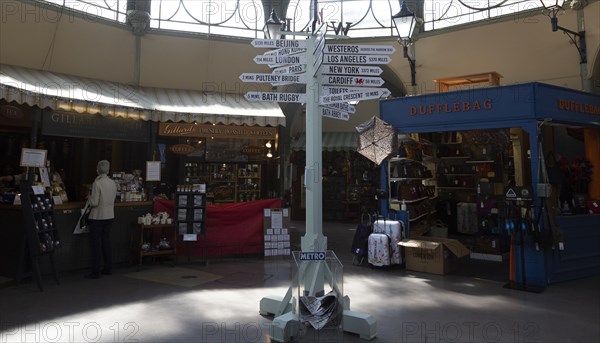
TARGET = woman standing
x,y
102,214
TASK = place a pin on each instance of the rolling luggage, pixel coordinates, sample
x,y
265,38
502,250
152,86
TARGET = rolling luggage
x,y
360,240
379,250
394,230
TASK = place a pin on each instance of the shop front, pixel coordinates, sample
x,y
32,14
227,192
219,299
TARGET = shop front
x,y
494,154
216,139
349,179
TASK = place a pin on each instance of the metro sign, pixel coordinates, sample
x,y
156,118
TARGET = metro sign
x,y
350,70
335,114
356,59
351,80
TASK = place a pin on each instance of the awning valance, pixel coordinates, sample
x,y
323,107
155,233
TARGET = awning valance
x,y
84,95
332,141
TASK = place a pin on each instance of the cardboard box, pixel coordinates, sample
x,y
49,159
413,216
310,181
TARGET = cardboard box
x,y
433,255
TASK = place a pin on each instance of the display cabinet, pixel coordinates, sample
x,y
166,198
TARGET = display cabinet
x,y
411,183
190,210
248,182
227,182
154,240
42,238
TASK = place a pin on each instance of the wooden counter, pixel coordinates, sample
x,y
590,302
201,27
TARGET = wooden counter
x,y
75,252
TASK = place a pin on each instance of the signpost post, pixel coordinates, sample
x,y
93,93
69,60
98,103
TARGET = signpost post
x,y
349,74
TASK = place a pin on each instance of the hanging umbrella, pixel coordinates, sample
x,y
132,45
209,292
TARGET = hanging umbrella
x,y
376,140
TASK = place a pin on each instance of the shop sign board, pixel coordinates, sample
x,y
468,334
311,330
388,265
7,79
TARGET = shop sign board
x,y
276,97
216,131
359,49
346,80
352,96
72,124
335,114
356,59
340,69
182,149
278,43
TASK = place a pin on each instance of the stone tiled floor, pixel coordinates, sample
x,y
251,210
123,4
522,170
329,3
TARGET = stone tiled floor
x,y
470,305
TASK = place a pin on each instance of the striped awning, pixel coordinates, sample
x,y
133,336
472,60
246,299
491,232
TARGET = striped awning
x,y
332,141
83,95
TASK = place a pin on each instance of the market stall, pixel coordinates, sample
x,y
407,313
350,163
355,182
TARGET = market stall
x,y
531,113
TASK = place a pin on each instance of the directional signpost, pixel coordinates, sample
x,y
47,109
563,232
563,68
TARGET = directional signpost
x,y
276,97
333,113
274,78
350,74
356,59
353,96
278,43
332,69
348,80
333,90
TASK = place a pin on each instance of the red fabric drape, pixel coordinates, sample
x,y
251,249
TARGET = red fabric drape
x,y
231,229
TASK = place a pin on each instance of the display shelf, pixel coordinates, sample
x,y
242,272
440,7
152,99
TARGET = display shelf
x,y
42,237
190,211
144,241
228,182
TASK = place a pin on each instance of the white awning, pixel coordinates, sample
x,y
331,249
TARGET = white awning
x,y
332,141
84,95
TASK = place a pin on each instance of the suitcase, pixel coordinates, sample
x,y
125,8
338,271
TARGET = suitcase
x,y
394,230
379,250
360,245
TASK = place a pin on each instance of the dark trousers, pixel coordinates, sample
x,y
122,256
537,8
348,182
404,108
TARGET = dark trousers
x,y
101,248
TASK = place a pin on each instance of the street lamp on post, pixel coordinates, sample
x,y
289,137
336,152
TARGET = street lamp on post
x,y
273,26
405,22
551,9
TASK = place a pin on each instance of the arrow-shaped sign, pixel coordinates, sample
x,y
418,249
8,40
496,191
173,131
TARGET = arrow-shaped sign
x,y
293,69
276,97
341,106
335,114
356,59
284,52
353,96
350,70
278,43
329,90
273,78
280,60
344,80
359,49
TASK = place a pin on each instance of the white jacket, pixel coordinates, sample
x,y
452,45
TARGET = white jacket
x,y
102,199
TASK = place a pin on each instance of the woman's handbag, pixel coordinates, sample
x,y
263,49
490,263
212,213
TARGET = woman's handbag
x,y
82,225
